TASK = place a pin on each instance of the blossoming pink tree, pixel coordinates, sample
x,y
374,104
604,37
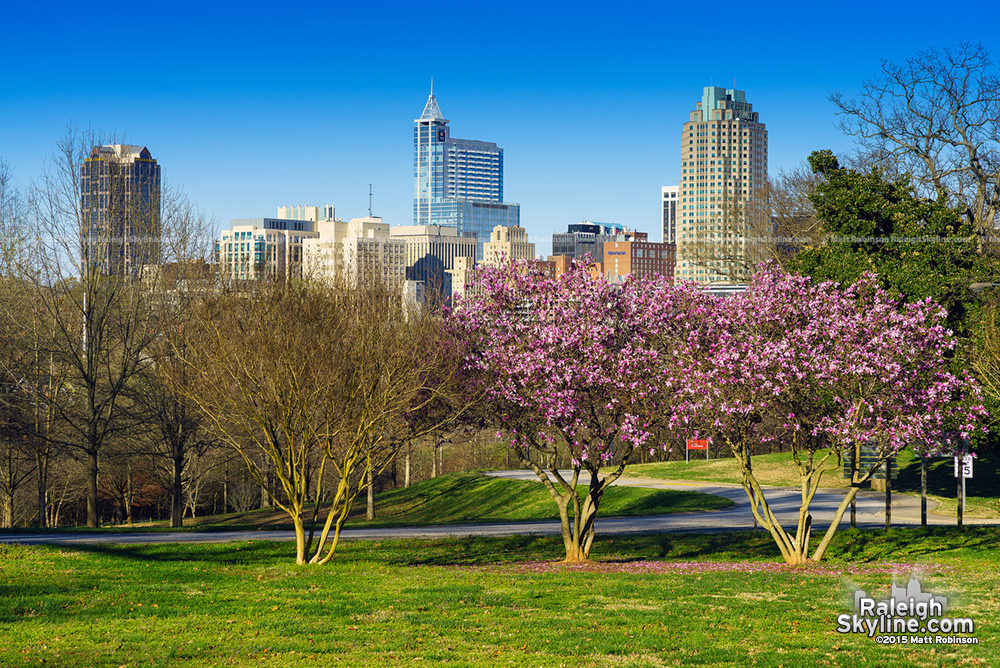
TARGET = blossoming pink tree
x,y
821,369
576,374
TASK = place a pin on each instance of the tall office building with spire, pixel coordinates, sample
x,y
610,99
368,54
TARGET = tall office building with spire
x,y
722,210
457,181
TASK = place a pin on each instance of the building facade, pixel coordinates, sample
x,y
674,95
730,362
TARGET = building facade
x,y
457,182
431,252
635,255
669,196
508,244
557,265
258,248
314,213
461,276
356,252
585,238
120,206
723,181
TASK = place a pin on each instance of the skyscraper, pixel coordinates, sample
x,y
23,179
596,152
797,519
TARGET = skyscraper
x,y
723,175
670,195
120,203
457,181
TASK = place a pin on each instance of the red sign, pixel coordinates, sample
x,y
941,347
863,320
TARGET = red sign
x,y
697,444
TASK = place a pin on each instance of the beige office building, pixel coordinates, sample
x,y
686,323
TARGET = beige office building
x,y
461,276
355,252
508,243
315,214
431,251
721,212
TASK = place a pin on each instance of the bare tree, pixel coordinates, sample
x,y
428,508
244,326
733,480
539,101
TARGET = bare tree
x,y
96,228
937,118
175,426
304,380
15,464
774,225
735,240
794,218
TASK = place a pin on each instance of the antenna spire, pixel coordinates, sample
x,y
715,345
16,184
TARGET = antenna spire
x,y
370,186
432,85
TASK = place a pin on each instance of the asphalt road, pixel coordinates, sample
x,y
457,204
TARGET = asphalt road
x,y
784,502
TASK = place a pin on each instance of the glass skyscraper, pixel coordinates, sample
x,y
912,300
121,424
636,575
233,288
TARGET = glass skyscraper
x,y
457,181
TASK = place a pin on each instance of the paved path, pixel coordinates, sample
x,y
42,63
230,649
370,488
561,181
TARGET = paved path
x,y
784,501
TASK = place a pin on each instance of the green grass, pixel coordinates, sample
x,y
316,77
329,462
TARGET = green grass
x,y
470,497
667,600
780,470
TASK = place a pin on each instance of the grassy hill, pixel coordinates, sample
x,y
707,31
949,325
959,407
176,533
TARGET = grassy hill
x,y
780,470
470,497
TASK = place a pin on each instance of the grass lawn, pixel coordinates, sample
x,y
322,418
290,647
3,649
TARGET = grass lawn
x,y
981,491
468,497
667,600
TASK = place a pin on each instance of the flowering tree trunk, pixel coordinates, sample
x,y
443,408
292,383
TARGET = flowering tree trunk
x,y
795,547
577,513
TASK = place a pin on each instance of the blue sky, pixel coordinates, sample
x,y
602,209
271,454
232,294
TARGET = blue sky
x,y
251,105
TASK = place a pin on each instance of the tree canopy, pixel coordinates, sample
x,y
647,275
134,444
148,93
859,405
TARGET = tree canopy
x,y
918,248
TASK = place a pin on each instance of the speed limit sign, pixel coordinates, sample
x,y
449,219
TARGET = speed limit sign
x,y
963,466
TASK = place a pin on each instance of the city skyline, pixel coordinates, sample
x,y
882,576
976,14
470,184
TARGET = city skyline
x,y
247,117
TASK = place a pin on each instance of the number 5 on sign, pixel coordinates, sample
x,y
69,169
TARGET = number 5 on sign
x,y
963,466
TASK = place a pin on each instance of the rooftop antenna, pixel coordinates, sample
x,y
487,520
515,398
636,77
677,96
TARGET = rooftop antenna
x,y
370,185
432,86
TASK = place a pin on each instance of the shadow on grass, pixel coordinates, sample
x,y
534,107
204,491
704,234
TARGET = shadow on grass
x,y
857,545
455,486
244,553
854,546
941,476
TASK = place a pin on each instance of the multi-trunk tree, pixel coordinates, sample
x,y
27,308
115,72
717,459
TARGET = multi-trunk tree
x,y
311,385
820,370
577,373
